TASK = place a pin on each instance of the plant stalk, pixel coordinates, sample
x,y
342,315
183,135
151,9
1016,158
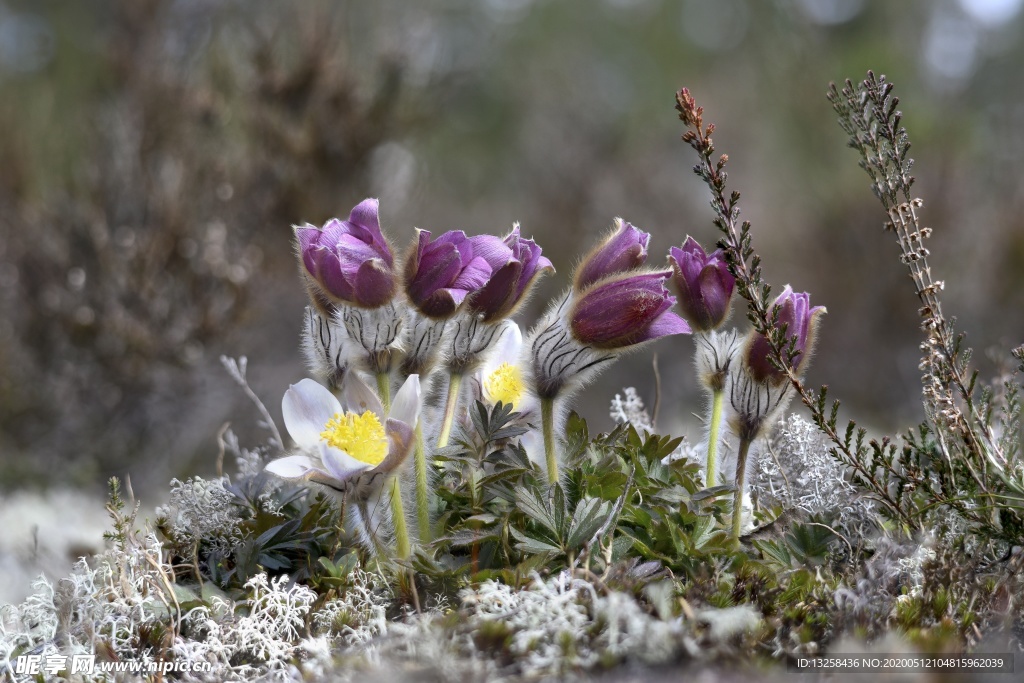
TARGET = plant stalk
x,y
422,492
737,500
384,389
717,400
547,417
402,546
454,384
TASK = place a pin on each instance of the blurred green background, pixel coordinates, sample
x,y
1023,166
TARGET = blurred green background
x,y
153,154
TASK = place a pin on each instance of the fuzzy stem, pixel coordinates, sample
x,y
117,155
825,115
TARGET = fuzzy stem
x,y
422,493
371,535
398,517
384,389
717,400
454,384
737,500
547,416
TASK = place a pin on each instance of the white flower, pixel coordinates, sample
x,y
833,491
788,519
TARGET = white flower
x,y
351,446
501,377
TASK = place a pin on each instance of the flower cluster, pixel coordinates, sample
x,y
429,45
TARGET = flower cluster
x,y
442,313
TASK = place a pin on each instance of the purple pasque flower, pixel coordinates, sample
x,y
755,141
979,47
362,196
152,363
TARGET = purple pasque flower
x,y
515,263
623,250
440,273
800,321
349,261
704,283
625,310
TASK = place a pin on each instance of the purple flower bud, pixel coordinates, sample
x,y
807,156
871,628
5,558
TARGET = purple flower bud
x,y
627,310
349,261
440,273
515,263
621,251
704,283
801,321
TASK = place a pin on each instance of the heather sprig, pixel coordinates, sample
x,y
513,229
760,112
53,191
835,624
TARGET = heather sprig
x,y
976,473
776,349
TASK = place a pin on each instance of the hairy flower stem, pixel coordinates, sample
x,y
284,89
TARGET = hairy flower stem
x,y
717,400
451,403
547,417
422,493
371,535
737,499
398,514
384,389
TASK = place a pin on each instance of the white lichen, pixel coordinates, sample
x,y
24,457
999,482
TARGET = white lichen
x,y
797,470
628,408
201,511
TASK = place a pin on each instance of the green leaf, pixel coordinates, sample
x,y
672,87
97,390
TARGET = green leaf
x,y
466,537
703,531
577,436
502,475
609,485
712,492
590,514
536,509
775,552
673,495
529,544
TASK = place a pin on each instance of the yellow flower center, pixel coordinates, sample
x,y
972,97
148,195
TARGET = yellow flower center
x,y
360,435
505,384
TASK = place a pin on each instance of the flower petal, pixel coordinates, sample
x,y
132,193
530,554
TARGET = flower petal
x,y
291,467
374,284
332,275
400,436
307,406
307,237
406,406
366,215
497,297
473,275
508,349
339,464
668,323
492,249
359,398
622,250
438,267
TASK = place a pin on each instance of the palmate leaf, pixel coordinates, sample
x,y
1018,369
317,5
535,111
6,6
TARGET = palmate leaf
x,y
713,492
673,495
810,543
529,544
536,509
644,546
703,531
495,425
467,537
444,569
590,514
504,475
608,486
775,552
519,576
577,437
